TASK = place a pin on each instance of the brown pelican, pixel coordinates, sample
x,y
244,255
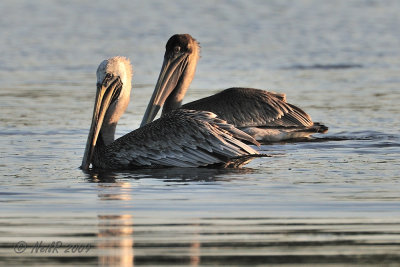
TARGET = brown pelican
x,y
185,138
264,115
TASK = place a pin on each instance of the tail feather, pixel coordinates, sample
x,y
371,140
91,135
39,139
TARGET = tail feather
x,y
315,128
320,128
239,161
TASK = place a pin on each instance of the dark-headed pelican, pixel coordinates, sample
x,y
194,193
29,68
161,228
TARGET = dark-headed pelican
x,y
185,138
264,115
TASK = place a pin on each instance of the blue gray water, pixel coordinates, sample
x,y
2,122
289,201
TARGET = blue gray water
x,y
334,200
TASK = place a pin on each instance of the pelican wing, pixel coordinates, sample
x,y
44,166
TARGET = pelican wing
x,y
183,138
245,107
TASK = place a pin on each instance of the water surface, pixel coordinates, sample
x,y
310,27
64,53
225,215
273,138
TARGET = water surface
x,y
332,200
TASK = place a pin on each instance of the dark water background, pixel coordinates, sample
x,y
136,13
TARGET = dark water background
x,y
334,200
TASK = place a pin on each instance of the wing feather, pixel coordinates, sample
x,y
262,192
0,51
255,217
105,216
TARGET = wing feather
x,y
246,107
182,138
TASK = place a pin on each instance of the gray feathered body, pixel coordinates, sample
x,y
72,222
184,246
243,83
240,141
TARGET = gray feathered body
x,y
256,111
182,138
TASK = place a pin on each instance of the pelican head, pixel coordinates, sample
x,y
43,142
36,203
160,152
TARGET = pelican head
x,y
177,72
114,77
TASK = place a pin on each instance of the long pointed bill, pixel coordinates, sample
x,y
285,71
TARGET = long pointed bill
x,y
108,90
170,74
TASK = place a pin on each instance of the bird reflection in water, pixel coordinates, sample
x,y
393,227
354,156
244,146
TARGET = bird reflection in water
x,y
115,238
116,245
170,174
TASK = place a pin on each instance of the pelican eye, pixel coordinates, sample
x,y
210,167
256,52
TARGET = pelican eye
x,y
177,49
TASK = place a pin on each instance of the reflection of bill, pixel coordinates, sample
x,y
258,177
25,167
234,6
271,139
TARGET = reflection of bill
x,y
115,191
115,232
195,247
115,240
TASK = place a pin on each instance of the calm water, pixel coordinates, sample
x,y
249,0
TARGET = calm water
x,y
334,200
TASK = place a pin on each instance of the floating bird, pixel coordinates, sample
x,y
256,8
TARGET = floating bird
x,y
264,115
183,138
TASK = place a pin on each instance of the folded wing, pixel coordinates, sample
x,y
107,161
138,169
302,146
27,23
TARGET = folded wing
x,y
183,138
